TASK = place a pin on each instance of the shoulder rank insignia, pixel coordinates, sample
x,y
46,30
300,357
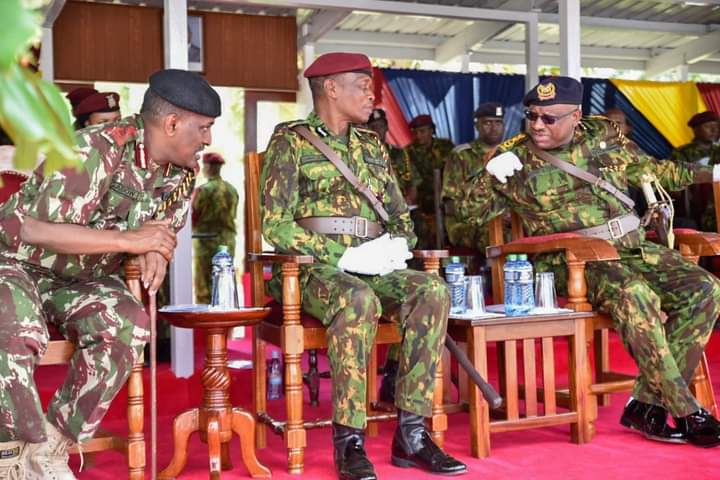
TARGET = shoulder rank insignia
x,y
508,144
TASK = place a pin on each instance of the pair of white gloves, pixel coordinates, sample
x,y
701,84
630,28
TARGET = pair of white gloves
x,y
376,257
506,164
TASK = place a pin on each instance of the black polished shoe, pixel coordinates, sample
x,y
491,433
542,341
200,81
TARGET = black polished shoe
x,y
413,447
700,428
351,461
651,421
387,388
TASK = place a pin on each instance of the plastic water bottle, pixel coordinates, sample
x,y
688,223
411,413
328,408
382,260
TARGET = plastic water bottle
x,y
275,380
455,278
224,286
524,286
509,282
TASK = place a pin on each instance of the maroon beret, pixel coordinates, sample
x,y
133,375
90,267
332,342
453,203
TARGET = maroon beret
x,y
704,117
338,62
213,158
422,121
78,95
99,102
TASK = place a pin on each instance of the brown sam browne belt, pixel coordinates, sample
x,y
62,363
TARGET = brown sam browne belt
x,y
612,230
356,226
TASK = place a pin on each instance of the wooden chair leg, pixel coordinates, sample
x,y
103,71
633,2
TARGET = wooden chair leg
x,y
259,382
135,413
438,422
372,390
580,375
479,408
602,361
702,388
312,378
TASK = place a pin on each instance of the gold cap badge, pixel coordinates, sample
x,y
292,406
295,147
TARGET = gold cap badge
x,y
546,92
111,101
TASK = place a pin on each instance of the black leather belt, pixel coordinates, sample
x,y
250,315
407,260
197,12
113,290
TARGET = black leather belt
x,y
356,226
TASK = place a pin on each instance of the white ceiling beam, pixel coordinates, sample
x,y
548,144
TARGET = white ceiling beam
x,y
378,51
383,38
397,8
320,23
464,41
711,68
621,24
688,53
51,11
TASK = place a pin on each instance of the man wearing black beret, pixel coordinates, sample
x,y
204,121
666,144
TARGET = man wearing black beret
x,y
568,174
464,161
63,239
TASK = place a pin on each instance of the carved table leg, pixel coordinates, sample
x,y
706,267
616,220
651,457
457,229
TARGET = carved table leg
x,y
213,441
185,424
243,424
225,457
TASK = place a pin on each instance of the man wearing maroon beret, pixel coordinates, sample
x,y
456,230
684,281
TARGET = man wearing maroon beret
x,y
427,153
360,242
97,108
705,150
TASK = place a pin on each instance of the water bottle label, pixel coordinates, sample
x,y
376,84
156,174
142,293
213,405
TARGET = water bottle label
x,y
524,275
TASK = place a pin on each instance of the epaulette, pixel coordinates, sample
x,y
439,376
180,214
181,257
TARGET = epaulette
x,y
511,142
118,134
366,131
613,132
461,147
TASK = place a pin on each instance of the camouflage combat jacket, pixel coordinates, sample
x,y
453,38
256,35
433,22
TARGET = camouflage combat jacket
x,y
426,159
694,151
465,161
298,181
116,187
549,200
216,205
405,172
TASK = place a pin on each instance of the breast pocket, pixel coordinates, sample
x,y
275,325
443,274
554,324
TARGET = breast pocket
x,y
550,187
379,174
612,167
123,205
318,174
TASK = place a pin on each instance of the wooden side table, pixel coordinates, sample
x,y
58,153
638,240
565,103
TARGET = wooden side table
x,y
507,332
216,420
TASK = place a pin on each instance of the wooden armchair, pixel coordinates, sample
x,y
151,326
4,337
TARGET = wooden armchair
x,y
60,351
294,332
578,251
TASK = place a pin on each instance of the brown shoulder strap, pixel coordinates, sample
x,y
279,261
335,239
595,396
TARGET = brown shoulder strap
x,y
581,174
317,142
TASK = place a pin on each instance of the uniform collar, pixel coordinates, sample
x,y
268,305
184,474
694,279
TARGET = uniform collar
x,y
322,130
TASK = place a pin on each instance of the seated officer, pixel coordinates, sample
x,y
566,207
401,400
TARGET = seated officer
x,y
309,207
466,160
647,280
63,239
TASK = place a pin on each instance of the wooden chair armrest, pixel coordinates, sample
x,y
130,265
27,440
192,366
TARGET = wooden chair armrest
x,y
279,258
576,247
431,253
700,244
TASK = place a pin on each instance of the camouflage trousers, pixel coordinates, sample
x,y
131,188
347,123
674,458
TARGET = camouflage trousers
x,y
350,307
104,320
635,291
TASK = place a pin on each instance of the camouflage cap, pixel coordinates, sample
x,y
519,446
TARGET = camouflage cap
x,y
186,90
489,109
555,90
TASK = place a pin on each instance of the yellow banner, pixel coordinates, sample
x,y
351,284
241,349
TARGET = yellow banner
x,y
667,105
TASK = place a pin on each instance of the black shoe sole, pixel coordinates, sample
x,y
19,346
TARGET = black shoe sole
x,y
404,463
655,438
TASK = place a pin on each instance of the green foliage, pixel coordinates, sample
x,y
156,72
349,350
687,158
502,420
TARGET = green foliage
x,y
32,111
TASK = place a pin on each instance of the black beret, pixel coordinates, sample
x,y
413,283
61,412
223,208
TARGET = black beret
x,y
555,90
186,90
489,109
704,117
377,114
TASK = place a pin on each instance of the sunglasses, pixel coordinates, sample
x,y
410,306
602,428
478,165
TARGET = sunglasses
x,y
546,119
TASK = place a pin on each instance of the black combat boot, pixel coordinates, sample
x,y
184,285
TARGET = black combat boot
x,y
387,388
651,421
351,461
413,447
700,428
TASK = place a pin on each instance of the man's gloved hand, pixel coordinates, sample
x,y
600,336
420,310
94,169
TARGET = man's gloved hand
x,y
399,252
503,166
370,258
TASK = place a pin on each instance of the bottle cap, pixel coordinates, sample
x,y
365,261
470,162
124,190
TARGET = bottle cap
x,y
275,354
454,259
223,248
511,258
522,256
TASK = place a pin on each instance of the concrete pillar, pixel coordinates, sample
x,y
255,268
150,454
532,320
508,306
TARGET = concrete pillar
x,y
532,54
304,98
570,38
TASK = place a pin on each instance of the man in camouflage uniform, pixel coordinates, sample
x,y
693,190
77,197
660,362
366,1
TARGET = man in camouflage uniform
x,y
214,209
703,150
427,153
466,160
63,239
647,280
310,208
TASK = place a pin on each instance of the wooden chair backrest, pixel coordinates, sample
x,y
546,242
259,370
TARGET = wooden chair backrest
x,y
497,237
253,225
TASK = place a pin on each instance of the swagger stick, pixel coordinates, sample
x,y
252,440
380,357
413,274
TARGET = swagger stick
x,y
487,390
153,386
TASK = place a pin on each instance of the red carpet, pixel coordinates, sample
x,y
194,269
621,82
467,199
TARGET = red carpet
x,y
614,453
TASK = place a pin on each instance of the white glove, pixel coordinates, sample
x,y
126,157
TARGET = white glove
x,y
399,252
503,166
370,258
716,173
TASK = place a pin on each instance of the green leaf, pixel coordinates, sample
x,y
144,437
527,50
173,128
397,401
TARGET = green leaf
x,y
18,27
